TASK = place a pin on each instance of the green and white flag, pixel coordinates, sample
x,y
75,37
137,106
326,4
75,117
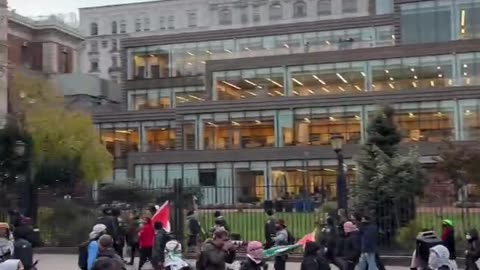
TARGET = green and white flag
x,y
275,251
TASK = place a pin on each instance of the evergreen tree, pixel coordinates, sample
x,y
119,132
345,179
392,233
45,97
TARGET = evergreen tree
x,y
386,182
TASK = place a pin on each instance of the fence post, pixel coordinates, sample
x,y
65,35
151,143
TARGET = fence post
x,y
178,210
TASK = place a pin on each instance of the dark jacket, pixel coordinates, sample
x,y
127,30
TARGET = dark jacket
x,y
448,238
106,257
473,251
158,251
23,251
369,235
215,257
194,228
248,264
329,238
270,231
312,260
111,223
133,227
27,232
352,247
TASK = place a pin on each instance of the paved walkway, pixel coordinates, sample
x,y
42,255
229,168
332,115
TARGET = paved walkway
x,y
69,262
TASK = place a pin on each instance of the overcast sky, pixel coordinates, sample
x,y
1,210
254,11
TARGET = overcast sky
x,y
46,7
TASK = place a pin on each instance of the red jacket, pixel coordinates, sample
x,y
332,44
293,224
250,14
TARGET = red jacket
x,y
146,236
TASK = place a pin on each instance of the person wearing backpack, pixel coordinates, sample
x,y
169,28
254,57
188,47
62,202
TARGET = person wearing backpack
x,y
281,239
87,251
107,255
217,252
312,259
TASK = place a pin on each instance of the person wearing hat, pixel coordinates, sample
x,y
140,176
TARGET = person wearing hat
x,y
448,239
97,231
254,260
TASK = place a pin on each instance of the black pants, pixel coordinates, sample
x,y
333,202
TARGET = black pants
x,y
119,249
133,250
280,263
145,255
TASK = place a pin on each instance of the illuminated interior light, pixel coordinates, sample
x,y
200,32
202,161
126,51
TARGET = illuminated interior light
x,y
387,71
232,85
247,49
306,120
227,50
374,86
440,75
325,89
341,78
252,93
412,69
462,18
415,77
465,65
151,55
279,93
197,98
393,37
329,170
190,64
439,67
411,115
363,74
392,79
318,79
250,82
332,118
258,122
341,88
203,62
391,85
211,124
357,87
468,112
439,114
209,52
295,92
235,123
414,84
357,117
242,96
450,82
274,82
311,91
468,81
328,42
297,81
286,46
191,54
465,74
270,94
432,83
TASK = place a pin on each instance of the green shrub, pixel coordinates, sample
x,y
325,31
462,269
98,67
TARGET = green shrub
x,y
406,236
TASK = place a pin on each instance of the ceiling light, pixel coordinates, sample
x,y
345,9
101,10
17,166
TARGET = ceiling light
x,y
163,128
357,87
203,62
415,77
279,93
286,46
328,42
270,94
341,78
392,79
440,75
411,115
465,74
232,85
329,170
391,85
247,49
468,81
258,121
252,93
357,117
432,83
274,82
306,120
325,89
301,170
387,71
373,85
412,69
151,55
465,65
318,79
393,37
242,96
414,84
190,64
450,82
468,112
191,54
209,52
297,81
439,114
250,82
295,92
227,50
332,118
363,74
341,88
211,124
439,67
462,18
311,91
197,98
235,123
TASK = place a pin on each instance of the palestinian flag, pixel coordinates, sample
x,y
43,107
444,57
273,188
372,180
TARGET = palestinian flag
x,y
307,238
275,251
163,215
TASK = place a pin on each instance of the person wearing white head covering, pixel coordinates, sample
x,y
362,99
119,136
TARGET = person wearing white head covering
x,y
97,231
439,259
173,256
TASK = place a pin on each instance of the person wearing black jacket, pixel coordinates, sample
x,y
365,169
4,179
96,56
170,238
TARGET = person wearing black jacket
x,y
329,242
110,222
194,230
158,251
351,246
270,229
448,238
312,260
472,254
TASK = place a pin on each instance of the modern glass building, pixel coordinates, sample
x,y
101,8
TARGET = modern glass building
x,y
247,114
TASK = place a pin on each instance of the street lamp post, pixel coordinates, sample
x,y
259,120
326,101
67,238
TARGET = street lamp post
x,y
342,192
27,191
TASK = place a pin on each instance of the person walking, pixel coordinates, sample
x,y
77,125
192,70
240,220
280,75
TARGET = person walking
x,y
368,248
312,259
145,240
448,239
133,228
254,259
158,251
329,239
220,221
472,254
439,259
92,247
194,231
107,257
270,230
281,239
216,253
351,252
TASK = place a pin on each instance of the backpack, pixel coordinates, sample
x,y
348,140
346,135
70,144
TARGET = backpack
x,y
83,255
290,238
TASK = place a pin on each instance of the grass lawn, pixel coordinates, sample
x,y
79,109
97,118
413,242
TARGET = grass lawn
x,y
250,225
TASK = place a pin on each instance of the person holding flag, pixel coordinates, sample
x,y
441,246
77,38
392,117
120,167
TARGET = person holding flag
x,y
281,239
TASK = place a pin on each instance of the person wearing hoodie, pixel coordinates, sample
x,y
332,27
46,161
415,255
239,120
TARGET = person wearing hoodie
x,y
312,260
439,259
145,240
254,260
92,250
368,236
472,254
448,238
351,252
107,255
173,257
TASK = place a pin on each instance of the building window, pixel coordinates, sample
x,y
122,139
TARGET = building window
x,y
469,21
94,46
104,44
324,7
470,68
299,9
138,25
64,66
225,17
276,12
123,27
256,14
114,45
120,141
146,24
189,136
114,62
349,6
114,27
94,66
93,29
160,139
171,22
384,7
207,178
192,19
25,56
161,23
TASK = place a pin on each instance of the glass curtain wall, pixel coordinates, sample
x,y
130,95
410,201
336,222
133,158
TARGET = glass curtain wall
x,y
165,98
120,138
469,21
158,136
469,68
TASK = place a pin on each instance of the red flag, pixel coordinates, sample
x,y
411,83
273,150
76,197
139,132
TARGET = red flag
x,y
163,215
307,238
